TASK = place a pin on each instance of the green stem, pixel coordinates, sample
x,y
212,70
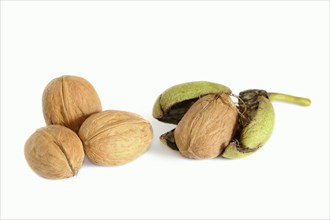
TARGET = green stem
x,y
289,98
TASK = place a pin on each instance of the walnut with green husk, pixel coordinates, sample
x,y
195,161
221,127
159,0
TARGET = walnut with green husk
x,y
209,124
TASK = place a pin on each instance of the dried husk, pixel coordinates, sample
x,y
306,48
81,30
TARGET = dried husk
x,y
207,127
68,101
54,152
115,137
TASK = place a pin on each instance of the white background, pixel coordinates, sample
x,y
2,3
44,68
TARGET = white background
x,y
131,52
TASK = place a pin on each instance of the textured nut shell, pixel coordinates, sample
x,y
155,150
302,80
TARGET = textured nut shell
x,y
115,137
207,128
68,101
54,152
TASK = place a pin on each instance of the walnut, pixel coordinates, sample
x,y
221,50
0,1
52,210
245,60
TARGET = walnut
x,y
68,101
115,137
54,152
208,127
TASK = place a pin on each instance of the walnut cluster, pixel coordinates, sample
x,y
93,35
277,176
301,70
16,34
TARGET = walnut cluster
x,y
76,125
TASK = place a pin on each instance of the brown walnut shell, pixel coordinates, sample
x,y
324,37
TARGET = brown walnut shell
x,y
54,152
115,137
207,127
68,101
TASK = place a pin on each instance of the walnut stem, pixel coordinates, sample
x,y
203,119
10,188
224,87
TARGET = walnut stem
x,y
289,98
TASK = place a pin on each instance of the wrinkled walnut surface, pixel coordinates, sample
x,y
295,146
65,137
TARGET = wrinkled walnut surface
x,y
115,137
68,101
54,152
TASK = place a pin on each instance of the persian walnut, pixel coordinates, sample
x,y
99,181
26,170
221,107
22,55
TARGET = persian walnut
x,y
54,152
207,127
115,137
68,101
